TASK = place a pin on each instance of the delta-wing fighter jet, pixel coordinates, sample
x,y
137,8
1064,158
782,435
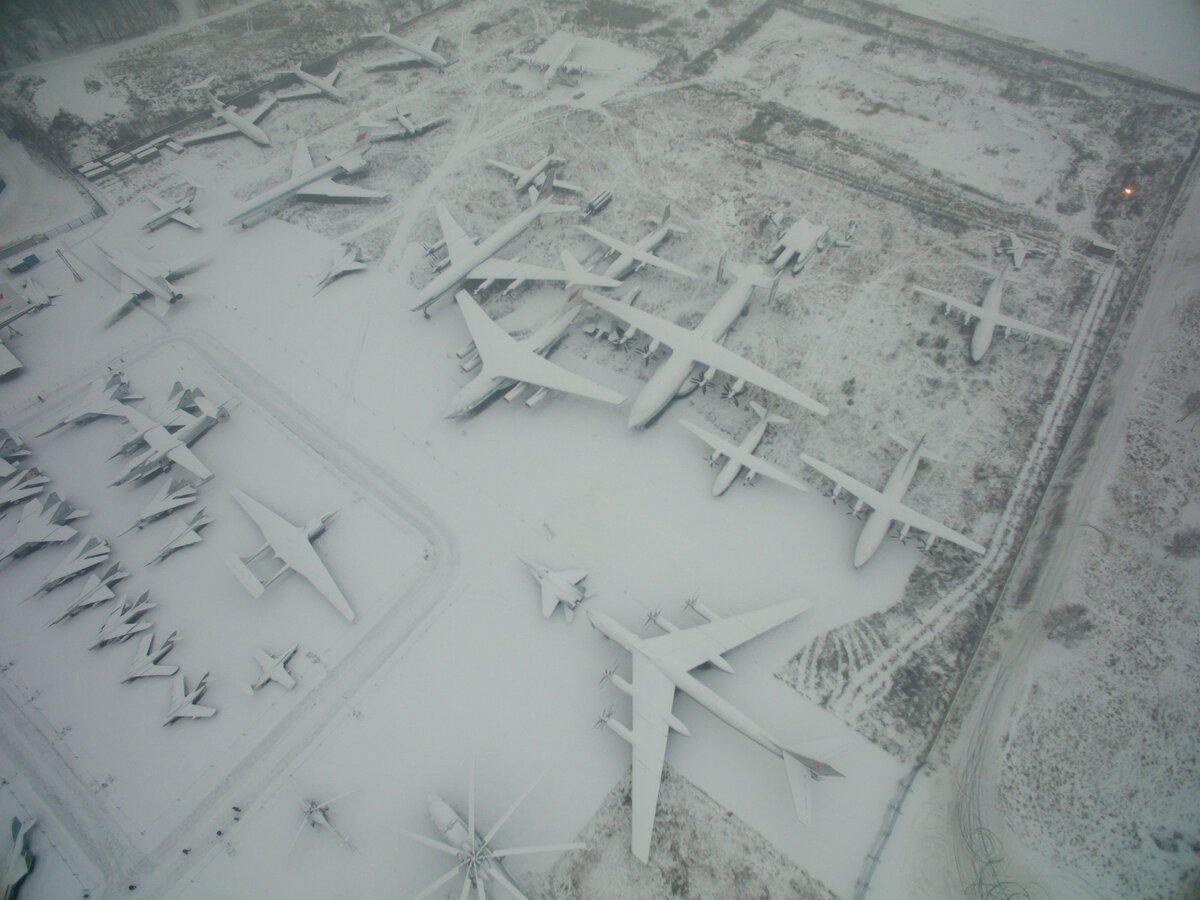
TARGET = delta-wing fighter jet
x,y
312,182
988,317
535,175
661,666
887,505
147,661
125,621
505,361
236,122
88,554
183,703
140,278
635,257
19,488
349,260
741,456
558,587
42,521
104,397
414,53
97,589
292,546
173,495
316,86
184,534
467,260
171,211
273,668
700,346
18,862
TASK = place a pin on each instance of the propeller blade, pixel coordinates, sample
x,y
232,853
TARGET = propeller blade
x,y
471,806
479,889
437,884
466,888
487,838
329,803
509,886
296,836
429,842
546,848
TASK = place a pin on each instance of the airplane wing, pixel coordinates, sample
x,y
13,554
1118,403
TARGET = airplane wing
x,y
300,93
558,185
183,456
706,352
574,576
864,492
970,309
184,219
505,167
749,460
642,255
457,240
301,159
328,189
510,270
211,135
195,711
653,697
272,670
503,356
549,599
1017,325
691,647
255,114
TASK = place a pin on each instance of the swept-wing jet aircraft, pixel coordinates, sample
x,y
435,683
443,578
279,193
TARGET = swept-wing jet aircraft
x,y
88,554
535,175
166,448
183,703
22,487
292,546
316,86
415,52
171,211
147,661
565,587
104,397
19,860
184,534
43,521
177,493
125,621
988,317
887,505
506,361
96,590
634,257
273,668
700,346
139,279
235,122
349,260
739,456
661,666
467,260
405,128
311,182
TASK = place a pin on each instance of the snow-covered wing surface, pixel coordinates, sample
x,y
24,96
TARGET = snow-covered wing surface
x,y
549,599
970,309
212,134
300,93
180,707
183,456
736,453
510,270
273,668
504,357
457,240
573,576
653,697
641,255
291,545
184,219
328,189
255,114
1012,324
704,351
8,361
301,159
691,647
505,167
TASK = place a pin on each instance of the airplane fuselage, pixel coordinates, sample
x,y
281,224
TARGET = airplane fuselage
x,y
323,85
347,164
985,325
668,379
155,285
732,468
627,262
241,123
556,65
532,173
875,528
435,59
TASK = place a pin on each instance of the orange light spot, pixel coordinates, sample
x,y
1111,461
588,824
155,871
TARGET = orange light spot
x,y
1128,191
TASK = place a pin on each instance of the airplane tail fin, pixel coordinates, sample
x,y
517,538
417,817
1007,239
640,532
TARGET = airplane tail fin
x,y
771,418
666,217
242,573
919,445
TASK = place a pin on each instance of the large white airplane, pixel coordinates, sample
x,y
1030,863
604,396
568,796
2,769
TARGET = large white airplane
x,y
887,505
553,59
988,317
406,127
19,860
42,521
634,257
311,182
535,175
474,857
558,587
147,661
741,456
139,279
235,122
165,448
273,668
125,621
292,546
798,245
317,86
171,211
699,346
183,703
104,397
505,361
467,260
661,666
96,590
415,52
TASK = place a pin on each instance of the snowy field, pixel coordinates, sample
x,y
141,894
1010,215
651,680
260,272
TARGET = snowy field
x,y
336,402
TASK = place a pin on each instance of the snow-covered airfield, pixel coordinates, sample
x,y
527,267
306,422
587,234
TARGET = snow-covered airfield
x,y
934,142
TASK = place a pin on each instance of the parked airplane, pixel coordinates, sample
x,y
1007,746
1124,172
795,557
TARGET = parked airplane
x,y
22,487
798,245
96,590
125,621
317,86
19,861
415,52
471,261
235,122
184,534
183,702
292,546
13,308
317,815
506,361
311,182
535,175
140,279
171,211
661,666
475,859
104,397
635,257
171,496
273,668
553,59
12,449
42,521
166,448
887,506
1016,247
565,587
739,456
699,346
988,317
379,131
147,661
349,260
88,554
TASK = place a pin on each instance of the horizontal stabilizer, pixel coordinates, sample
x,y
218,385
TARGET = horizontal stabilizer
x,y
800,783
242,573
